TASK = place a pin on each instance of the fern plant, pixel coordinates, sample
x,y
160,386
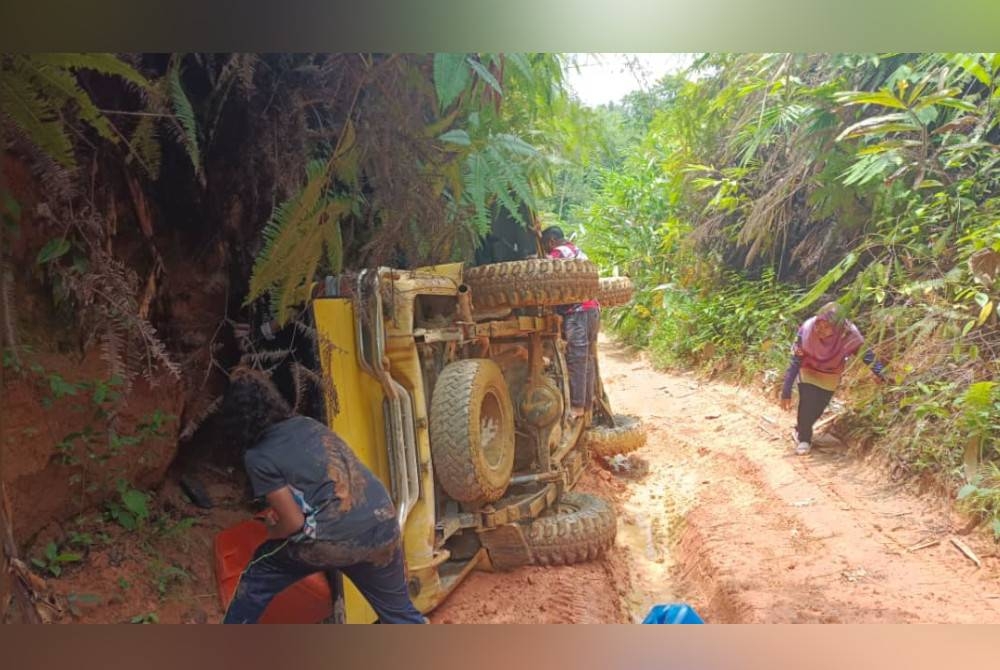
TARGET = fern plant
x,y
185,124
302,231
498,166
39,93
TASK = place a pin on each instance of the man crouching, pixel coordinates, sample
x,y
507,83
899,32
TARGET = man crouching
x,y
328,511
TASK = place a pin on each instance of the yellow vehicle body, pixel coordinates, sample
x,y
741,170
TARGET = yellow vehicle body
x,y
374,347
356,413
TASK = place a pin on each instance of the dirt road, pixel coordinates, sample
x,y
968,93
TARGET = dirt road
x,y
728,520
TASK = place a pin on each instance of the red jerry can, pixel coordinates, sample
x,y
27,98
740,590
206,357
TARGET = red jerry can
x,y
308,600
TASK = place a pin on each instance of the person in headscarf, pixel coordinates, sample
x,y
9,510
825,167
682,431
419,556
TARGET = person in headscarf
x,y
581,323
824,344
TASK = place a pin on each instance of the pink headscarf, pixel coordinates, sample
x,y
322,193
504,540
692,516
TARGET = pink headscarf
x,y
828,355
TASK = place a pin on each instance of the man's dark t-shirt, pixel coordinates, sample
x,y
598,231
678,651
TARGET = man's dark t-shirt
x,y
339,496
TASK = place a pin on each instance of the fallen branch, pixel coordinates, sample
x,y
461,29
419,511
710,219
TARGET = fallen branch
x,y
14,570
964,548
926,544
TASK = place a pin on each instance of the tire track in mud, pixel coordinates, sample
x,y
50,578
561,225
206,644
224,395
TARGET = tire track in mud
x,y
728,520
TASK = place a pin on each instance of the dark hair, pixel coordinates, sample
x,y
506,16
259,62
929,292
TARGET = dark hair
x,y
252,405
553,233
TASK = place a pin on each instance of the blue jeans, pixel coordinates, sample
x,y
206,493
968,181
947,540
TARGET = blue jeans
x,y
277,564
580,329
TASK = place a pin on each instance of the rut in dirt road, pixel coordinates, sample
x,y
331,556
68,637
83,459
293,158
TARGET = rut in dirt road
x,y
730,521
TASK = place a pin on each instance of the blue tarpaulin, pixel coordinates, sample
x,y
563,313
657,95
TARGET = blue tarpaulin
x,y
672,613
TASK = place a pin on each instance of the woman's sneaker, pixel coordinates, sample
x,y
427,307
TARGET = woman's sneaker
x,y
803,448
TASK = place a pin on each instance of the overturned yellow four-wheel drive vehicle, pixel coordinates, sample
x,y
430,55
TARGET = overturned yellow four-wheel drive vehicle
x,y
452,386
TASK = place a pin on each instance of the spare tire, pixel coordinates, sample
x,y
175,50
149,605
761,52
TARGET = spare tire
x,y
472,431
533,282
628,434
579,528
615,291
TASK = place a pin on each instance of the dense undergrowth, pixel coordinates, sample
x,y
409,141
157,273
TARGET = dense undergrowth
x,y
761,186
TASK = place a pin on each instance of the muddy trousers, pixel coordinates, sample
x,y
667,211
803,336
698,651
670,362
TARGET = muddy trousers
x,y
580,329
277,564
813,402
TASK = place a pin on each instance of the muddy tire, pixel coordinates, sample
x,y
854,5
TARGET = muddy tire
x,y
472,431
615,291
534,282
627,435
581,528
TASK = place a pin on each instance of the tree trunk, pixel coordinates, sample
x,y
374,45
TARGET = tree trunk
x,y
11,588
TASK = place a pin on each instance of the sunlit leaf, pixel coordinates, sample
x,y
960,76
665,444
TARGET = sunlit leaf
x,y
967,491
984,313
457,136
485,75
883,98
451,76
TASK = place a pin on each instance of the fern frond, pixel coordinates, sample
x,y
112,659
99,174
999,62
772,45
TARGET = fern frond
x,y
299,382
475,189
192,426
306,330
295,239
979,395
35,115
346,163
239,69
511,176
104,63
333,242
35,89
57,179
113,354
301,374
61,85
184,113
282,236
145,146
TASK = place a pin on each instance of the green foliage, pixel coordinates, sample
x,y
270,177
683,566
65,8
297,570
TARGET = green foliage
x,y
451,76
165,576
722,323
476,154
297,236
185,115
147,618
38,91
145,146
982,497
76,601
53,559
770,183
54,249
131,509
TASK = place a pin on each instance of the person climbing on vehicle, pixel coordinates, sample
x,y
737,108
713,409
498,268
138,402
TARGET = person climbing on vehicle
x,y
328,512
581,323
820,353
